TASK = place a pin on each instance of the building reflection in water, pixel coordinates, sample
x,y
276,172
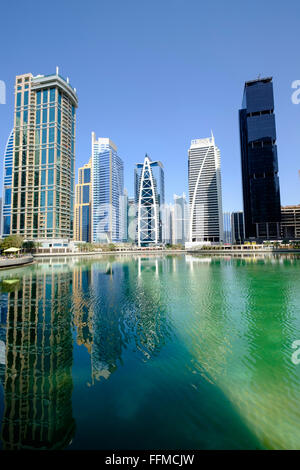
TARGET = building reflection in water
x,y
121,310
38,382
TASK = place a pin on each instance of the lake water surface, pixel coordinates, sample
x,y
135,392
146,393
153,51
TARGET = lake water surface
x,y
150,352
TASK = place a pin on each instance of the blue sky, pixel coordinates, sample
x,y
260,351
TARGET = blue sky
x,y
152,75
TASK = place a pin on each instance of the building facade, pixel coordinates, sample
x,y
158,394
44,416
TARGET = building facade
x,y
205,195
44,158
181,219
149,199
290,222
83,204
124,217
132,220
167,213
237,228
7,185
261,193
227,227
107,189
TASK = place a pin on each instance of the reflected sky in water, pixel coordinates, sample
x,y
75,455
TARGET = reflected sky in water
x,y
173,352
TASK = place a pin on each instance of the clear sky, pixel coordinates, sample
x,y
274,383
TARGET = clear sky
x,y
152,75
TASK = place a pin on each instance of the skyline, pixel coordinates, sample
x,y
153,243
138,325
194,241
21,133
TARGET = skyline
x,y
162,85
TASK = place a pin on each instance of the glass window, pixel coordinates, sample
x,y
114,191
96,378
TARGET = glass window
x,y
45,112
43,182
19,99
43,199
52,94
85,194
50,198
87,175
44,136
26,98
43,156
51,155
51,134
25,117
17,138
38,97
38,117
50,220
7,196
50,177
45,96
52,114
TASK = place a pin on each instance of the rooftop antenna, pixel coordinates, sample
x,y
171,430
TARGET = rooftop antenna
x,y
57,70
68,80
258,78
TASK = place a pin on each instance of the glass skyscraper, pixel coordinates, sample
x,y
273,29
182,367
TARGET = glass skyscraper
x,y
44,157
83,203
149,198
7,183
259,161
108,187
237,227
227,227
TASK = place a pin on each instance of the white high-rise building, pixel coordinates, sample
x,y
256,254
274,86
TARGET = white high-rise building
x,y
107,188
181,219
205,195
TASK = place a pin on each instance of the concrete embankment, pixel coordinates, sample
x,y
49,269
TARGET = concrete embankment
x,y
6,263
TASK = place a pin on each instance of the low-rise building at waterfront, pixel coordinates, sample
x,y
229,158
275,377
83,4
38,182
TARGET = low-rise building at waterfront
x,y
290,222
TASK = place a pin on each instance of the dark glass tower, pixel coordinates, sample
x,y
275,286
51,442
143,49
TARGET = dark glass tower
x,y
261,192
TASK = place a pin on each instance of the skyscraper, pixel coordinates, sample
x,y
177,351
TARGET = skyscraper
x,y
108,187
44,157
83,203
227,227
149,198
124,216
7,183
237,228
206,219
259,161
167,214
181,219
132,222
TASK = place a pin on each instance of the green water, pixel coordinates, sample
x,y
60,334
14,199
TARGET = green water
x,y
158,352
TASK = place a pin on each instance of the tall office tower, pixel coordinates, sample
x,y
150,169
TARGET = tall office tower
x,y
108,186
124,216
149,198
167,214
237,228
227,227
83,203
181,219
261,192
290,222
132,221
7,183
206,218
44,158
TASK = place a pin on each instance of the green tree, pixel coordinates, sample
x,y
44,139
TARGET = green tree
x,y
15,241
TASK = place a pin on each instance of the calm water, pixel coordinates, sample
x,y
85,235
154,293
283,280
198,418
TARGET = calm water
x,y
171,352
